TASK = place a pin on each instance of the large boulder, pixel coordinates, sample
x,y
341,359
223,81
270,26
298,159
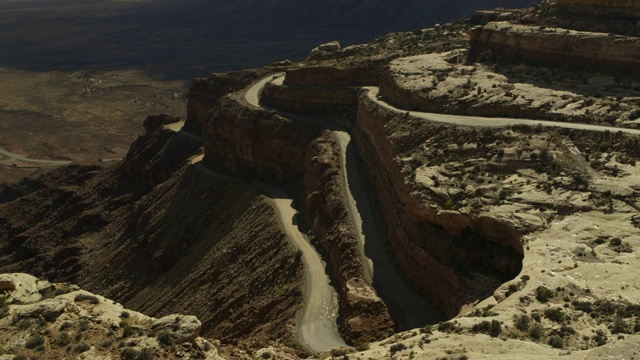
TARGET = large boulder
x,y
331,46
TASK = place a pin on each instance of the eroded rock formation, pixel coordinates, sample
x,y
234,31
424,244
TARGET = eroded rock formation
x,y
555,46
62,321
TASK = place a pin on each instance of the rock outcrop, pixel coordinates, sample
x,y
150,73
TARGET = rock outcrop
x,y
256,143
206,91
555,46
155,121
325,48
62,321
364,315
414,228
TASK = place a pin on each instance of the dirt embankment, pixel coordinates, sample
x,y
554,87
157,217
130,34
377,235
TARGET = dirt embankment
x,y
151,233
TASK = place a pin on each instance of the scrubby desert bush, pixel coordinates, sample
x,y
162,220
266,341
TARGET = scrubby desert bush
x,y
84,297
522,322
34,342
543,294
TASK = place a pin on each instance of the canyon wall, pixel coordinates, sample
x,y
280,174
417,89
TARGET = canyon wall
x,y
554,46
256,143
336,103
423,238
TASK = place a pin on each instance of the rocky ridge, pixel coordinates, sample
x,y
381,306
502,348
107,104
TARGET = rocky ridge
x,y
63,321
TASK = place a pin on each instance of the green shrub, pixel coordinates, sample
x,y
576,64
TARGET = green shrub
x,y
165,339
80,348
543,294
585,306
65,325
34,342
145,354
129,354
337,352
63,338
496,328
397,347
361,346
522,322
482,327
446,327
556,342
600,338
128,331
556,315
536,332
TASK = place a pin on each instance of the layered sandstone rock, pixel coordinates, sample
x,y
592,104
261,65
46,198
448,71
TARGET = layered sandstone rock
x,y
365,316
256,143
336,103
205,92
555,46
415,227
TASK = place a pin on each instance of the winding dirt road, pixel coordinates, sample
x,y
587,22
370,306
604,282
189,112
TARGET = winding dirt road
x,y
408,308
316,322
479,121
34,161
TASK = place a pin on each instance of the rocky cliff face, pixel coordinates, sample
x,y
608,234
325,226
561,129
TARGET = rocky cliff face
x,y
555,46
256,143
206,91
365,316
260,144
415,229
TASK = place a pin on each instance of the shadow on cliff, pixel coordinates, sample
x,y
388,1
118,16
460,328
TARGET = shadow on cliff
x,y
182,39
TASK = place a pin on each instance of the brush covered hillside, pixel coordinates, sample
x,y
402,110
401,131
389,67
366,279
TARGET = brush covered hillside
x,y
449,192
